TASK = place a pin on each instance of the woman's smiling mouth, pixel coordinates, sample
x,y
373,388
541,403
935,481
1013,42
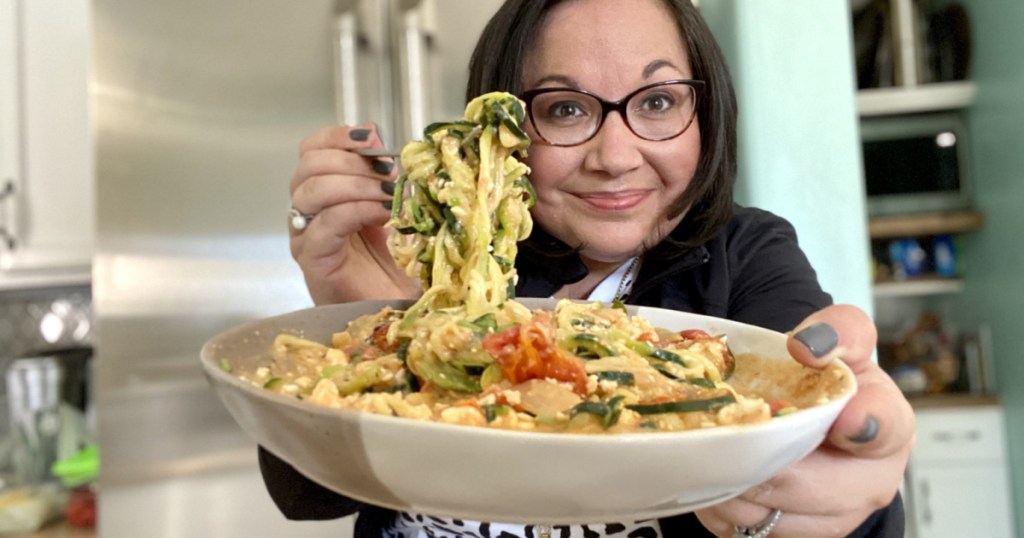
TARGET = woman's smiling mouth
x,y
614,201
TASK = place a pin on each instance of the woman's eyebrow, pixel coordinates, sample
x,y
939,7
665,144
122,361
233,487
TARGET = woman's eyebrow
x,y
563,80
652,67
569,82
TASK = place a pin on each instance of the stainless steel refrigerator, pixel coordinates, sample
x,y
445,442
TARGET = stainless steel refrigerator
x,y
200,106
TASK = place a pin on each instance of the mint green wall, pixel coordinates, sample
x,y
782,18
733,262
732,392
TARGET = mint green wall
x,y
994,293
799,152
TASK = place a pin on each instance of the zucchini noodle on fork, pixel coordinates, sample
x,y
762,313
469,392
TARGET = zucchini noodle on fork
x,y
466,208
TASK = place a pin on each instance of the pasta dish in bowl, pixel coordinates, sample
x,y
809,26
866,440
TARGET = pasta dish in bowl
x,y
530,476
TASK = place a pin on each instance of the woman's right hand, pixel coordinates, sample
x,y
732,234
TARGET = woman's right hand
x,y
343,249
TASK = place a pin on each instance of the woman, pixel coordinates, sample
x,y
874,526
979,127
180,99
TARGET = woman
x,y
628,207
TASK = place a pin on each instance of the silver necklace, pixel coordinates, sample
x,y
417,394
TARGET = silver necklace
x,y
628,278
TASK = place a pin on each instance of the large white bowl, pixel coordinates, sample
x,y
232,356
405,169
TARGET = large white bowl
x,y
508,476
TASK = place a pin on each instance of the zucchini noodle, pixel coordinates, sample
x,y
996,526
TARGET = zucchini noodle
x,y
467,207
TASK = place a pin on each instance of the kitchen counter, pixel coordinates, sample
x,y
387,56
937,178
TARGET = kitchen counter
x,y
58,529
932,401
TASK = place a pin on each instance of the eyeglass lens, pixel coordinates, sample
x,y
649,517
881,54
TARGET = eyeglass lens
x,y
568,117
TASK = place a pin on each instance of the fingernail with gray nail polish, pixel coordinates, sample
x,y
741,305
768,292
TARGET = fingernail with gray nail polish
x,y
386,204
382,166
820,338
359,134
868,433
388,187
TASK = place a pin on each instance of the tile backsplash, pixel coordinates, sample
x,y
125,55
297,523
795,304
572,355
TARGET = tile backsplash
x,y
37,320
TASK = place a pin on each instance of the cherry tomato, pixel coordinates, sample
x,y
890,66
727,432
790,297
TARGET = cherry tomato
x,y
528,352
776,404
379,338
695,334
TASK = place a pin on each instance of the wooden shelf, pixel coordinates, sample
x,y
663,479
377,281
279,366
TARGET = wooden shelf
x,y
918,287
951,399
915,99
924,224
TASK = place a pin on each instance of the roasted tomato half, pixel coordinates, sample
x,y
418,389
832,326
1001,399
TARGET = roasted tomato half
x,y
529,351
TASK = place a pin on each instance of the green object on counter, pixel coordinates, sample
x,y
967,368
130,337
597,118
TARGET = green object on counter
x,y
79,469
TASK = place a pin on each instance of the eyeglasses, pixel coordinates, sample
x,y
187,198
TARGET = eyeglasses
x,y
659,111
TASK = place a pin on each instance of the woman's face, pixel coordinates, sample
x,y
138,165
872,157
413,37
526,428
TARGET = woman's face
x,y
611,193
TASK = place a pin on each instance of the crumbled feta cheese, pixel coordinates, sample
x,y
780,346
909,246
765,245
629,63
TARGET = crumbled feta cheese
x,y
512,397
325,393
464,414
487,400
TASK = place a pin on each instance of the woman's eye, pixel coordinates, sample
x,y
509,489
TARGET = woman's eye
x,y
657,102
565,109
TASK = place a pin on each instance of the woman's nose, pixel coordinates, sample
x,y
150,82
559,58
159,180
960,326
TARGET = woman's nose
x,y
614,149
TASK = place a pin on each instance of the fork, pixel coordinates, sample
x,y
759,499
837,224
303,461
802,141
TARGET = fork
x,y
377,152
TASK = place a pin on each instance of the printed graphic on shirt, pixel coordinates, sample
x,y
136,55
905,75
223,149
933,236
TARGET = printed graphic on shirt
x,y
410,525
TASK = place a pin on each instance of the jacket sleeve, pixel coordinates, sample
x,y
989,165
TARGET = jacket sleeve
x,y
889,522
298,497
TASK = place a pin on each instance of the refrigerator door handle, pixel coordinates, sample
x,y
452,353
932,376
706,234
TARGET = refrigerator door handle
x,y
412,37
346,43
8,218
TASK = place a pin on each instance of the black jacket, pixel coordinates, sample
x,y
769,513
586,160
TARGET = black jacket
x,y
752,271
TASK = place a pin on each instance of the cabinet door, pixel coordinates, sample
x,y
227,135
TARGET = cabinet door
x,y
955,501
47,154
959,434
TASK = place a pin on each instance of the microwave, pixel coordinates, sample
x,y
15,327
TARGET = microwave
x,y
916,163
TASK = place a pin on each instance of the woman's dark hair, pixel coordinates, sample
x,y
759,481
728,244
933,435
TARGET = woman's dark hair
x,y
496,65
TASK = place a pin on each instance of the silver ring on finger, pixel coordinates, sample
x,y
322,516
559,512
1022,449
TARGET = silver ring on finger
x,y
299,220
759,530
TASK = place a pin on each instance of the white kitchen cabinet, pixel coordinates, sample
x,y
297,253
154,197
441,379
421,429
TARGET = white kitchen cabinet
x,y
958,476
47,194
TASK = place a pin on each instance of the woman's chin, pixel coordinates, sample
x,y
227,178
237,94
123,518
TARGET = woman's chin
x,y
616,251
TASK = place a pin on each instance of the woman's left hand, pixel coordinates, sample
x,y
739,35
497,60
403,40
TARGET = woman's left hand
x,y
858,468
